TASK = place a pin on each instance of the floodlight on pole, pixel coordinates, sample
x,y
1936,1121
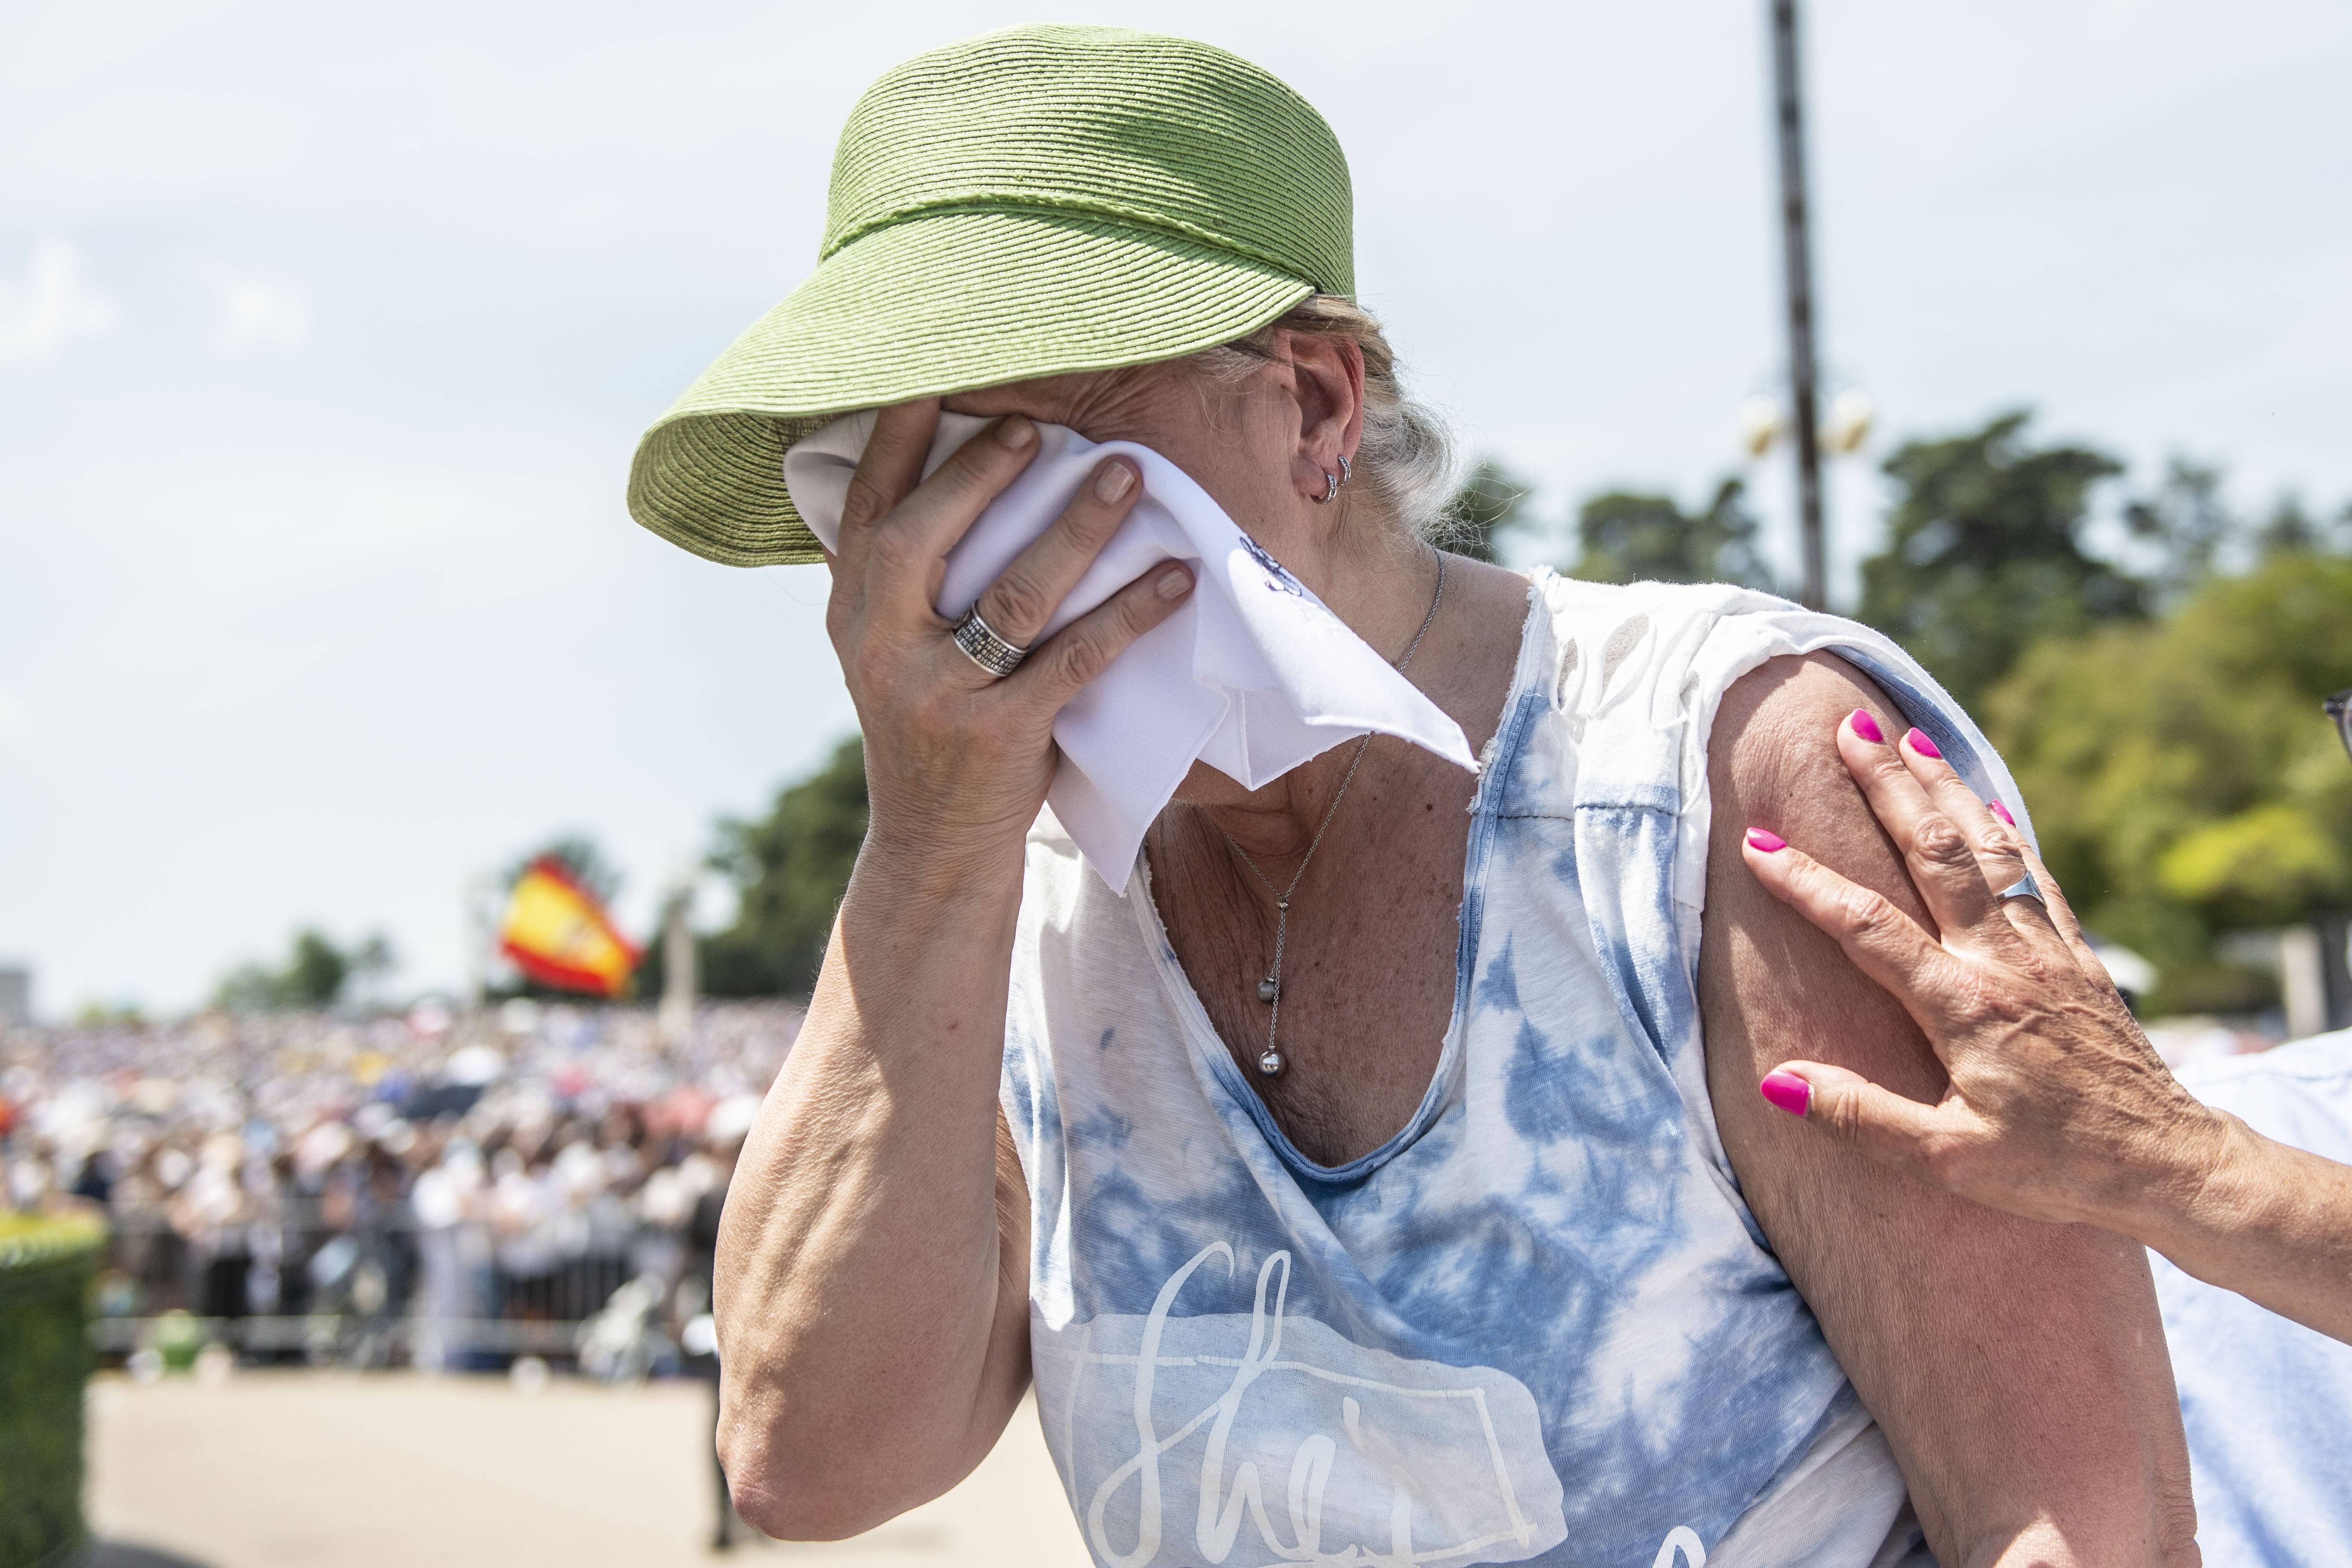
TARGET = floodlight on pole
x,y
1796,256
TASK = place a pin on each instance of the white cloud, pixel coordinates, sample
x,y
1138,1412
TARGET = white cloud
x,y
56,305
258,317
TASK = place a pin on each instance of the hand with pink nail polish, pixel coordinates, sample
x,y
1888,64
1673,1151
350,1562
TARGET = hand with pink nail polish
x,y
2057,1108
1903,1277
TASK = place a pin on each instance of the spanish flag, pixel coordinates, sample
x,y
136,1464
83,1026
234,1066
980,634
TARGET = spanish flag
x,y
556,933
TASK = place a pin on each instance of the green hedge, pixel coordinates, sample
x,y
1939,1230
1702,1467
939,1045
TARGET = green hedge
x,y
44,1359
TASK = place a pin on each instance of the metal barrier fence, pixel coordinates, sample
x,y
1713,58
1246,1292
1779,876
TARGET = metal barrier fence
x,y
396,1293
334,1339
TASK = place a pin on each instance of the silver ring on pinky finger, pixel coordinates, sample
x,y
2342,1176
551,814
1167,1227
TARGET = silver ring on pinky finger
x,y
2025,886
981,645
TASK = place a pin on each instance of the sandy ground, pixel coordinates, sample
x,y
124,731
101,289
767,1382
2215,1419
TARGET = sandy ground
x,y
340,1470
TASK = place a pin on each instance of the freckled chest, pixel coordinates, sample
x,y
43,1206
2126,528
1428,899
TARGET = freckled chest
x,y
1369,960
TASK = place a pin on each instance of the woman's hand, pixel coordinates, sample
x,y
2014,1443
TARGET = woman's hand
x,y
2058,1109
956,760
872,1289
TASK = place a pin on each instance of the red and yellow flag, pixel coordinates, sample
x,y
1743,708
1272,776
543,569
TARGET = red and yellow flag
x,y
556,933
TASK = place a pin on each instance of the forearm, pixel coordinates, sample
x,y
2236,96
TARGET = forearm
x,y
862,1266
871,1299
2250,1215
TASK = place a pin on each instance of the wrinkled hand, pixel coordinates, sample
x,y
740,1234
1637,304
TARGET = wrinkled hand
x,y
956,760
2058,1107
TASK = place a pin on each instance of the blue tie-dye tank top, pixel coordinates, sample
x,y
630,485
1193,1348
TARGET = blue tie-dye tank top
x,y
1538,1325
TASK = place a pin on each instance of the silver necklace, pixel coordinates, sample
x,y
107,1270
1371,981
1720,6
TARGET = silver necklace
x,y
1270,990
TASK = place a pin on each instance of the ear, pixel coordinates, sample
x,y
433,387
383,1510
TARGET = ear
x,y
1327,384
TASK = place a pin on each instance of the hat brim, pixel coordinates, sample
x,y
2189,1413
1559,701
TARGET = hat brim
x,y
925,308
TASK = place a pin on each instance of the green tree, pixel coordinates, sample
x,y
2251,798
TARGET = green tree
x,y
789,870
2190,525
1625,536
1984,553
316,974
1492,501
2180,774
2290,530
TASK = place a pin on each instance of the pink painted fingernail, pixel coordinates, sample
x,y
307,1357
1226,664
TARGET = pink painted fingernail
x,y
1921,744
1113,483
1867,727
1787,1092
1770,843
2003,812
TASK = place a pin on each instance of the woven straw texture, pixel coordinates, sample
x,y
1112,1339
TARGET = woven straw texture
x,y
1028,202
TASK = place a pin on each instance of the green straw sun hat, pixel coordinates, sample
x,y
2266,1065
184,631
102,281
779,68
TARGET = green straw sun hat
x,y
1028,202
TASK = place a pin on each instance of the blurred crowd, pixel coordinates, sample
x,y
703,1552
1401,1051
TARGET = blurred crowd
x,y
440,1188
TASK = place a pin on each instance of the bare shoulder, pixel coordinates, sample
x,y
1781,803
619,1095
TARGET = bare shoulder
x,y
1768,979
1773,747
2073,1418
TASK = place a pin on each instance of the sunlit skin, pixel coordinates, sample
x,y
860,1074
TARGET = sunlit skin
x,y
2055,1106
872,1288
1406,810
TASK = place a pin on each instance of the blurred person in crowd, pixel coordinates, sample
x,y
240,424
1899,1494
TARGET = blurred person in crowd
x,y
721,1147
28,1173
96,1182
145,1243
611,1224
452,1250
387,1228
264,1230
523,1204
298,1231
1489,1142
2238,1172
212,1214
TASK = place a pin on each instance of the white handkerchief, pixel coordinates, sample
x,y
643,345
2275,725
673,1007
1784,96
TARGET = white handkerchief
x,y
1253,676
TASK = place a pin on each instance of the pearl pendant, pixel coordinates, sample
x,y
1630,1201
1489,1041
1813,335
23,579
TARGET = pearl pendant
x,y
1269,1062
1268,990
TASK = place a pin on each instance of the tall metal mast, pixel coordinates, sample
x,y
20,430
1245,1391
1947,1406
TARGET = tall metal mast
x,y
1797,264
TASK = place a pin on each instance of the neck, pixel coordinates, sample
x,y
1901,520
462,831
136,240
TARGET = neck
x,y
1276,826
1376,576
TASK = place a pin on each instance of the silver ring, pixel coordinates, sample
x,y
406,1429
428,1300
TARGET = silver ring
x,y
981,645
2025,886
1345,473
1330,488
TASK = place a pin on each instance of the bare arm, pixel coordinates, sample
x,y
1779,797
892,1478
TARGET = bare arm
x,y
2018,1368
2057,1107
872,1271
2269,1221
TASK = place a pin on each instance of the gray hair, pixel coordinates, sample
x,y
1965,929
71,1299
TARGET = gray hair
x,y
1406,461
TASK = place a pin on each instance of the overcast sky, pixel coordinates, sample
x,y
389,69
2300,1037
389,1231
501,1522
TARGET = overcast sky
x,y
326,332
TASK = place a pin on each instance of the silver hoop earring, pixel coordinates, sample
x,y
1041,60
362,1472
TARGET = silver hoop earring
x,y
1330,488
1345,473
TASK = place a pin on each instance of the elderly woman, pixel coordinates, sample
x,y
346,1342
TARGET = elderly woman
x,y
1372,1170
